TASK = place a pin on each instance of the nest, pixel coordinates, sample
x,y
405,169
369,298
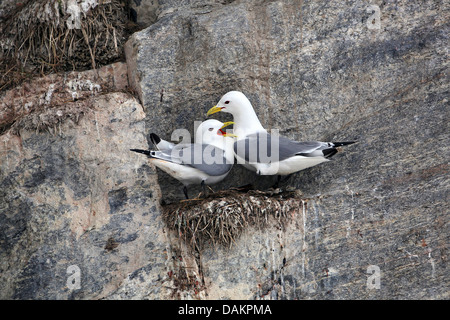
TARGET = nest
x,y
45,36
221,218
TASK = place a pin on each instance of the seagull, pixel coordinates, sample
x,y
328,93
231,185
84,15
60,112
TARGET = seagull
x,y
205,162
269,154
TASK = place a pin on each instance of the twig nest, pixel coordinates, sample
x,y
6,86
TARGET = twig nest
x,y
222,216
51,36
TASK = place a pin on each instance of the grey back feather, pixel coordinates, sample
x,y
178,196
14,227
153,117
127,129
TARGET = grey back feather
x,y
265,148
206,158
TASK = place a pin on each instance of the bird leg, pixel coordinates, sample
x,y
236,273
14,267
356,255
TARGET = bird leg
x,y
204,188
277,184
202,192
187,198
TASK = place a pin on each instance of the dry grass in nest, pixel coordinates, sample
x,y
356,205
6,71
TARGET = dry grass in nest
x,y
221,217
37,40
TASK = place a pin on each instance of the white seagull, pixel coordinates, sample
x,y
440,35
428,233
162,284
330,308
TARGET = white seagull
x,y
269,154
205,162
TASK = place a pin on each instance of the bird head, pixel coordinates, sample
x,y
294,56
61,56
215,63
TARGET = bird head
x,y
232,102
212,130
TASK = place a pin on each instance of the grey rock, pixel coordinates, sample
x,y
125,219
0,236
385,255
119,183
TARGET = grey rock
x,y
78,198
319,71
144,12
73,195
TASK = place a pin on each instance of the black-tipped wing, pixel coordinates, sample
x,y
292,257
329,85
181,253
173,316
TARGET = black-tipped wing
x,y
146,152
265,148
159,143
206,158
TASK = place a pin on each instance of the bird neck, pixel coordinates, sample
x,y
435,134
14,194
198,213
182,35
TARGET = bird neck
x,y
246,123
229,150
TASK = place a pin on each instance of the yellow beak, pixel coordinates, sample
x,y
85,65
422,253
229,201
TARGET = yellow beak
x,y
226,124
229,135
213,110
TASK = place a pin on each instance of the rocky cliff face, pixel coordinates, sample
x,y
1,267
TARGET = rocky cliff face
x,y
83,218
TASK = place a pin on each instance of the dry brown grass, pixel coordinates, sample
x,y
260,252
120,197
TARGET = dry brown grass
x,y
220,218
36,39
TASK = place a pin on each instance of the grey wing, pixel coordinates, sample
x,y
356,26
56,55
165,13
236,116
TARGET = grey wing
x,y
266,148
290,148
206,158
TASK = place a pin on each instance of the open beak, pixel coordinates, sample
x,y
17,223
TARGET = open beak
x,y
223,133
213,110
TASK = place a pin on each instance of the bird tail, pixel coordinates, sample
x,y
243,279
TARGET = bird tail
x,y
328,153
339,144
146,152
155,139
160,144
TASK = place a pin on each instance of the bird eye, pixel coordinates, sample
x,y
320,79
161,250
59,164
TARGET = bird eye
x,y
227,102
210,129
